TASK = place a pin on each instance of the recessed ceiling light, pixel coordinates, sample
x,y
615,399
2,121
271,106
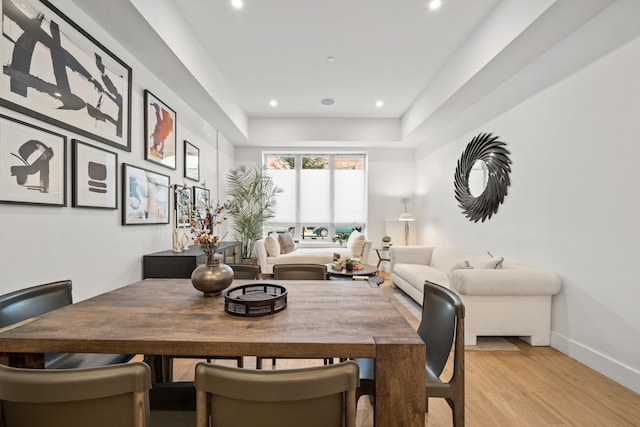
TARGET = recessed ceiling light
x,y
237,4
331,59
435,4
379,103
273,103
327,101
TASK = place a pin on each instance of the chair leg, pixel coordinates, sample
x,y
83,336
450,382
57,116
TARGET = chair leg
x,y
457,410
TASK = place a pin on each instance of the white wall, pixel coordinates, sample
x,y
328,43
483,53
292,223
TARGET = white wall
x,y
571,208
89,246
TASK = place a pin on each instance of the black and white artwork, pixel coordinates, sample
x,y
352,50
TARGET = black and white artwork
x,y
145,196
32,164
95,177
54,71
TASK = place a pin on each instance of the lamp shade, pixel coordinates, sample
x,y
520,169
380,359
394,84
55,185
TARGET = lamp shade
x,y
406,217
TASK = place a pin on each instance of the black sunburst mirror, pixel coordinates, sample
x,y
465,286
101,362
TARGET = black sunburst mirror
x,y
491,155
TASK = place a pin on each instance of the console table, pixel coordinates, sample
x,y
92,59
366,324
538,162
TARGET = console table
x,y
180,265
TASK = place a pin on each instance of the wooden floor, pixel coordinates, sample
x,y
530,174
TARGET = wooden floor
x,y
533,387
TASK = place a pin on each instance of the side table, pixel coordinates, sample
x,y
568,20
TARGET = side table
x,y
384,256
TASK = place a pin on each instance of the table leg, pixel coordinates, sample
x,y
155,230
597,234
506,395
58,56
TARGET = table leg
x,y
400,382
23,360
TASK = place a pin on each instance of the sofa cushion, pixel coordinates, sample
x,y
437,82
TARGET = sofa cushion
x,y
416,274
505,282
287,244
272,244
355,243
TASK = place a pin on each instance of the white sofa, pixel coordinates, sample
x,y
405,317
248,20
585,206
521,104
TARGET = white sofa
x,y
357,247
510,300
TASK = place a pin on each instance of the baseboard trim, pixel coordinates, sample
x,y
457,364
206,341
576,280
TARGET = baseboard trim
x,y
618,372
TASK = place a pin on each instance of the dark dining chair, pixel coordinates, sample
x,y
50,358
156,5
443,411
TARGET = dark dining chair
x,y
441,327
37,300
245,271
106,396
320,396
299,272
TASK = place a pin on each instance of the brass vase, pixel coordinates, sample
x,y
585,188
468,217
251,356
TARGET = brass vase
x,y
212,277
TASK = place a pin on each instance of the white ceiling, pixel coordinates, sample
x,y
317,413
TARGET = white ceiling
x,y
427,66
278,49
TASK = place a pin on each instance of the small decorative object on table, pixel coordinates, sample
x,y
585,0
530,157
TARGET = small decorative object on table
x,y
348,264
256,299
386,242
213,276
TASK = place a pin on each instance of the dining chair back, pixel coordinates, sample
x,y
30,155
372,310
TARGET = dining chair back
x,y
34,301
106,396
37,300
311,397
441,327
300,272
245,271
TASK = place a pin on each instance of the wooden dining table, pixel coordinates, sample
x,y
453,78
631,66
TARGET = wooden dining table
x,y
322,319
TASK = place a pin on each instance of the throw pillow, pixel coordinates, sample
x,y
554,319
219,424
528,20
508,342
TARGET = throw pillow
x,y
488,261
460,266
272,245
287,244
499,264
355,243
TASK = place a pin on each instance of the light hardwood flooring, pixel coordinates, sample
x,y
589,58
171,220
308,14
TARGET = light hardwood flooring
x,y
533,387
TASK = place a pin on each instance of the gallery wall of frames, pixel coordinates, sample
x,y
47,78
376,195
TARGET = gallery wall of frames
x,y
68,97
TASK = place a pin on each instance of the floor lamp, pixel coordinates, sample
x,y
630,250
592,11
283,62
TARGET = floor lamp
x,y
406,217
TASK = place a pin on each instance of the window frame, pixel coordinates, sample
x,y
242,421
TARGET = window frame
x,y
331,224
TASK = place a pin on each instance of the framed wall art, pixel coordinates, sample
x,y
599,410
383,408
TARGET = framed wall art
x,y
33,164
95,177
191,161
159,131
201,199
56,72
145,196
183,202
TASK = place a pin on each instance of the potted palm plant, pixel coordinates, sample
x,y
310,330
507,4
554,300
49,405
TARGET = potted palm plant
x,y
252,202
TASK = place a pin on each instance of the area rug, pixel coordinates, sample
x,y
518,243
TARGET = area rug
x,y
412,311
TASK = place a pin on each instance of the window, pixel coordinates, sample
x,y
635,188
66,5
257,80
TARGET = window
x,y
323,195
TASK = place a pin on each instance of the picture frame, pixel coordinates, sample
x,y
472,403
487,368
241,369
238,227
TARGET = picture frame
x,y
201,197
182,205
33,161
91,96
159,131
191,161
145,196
95,177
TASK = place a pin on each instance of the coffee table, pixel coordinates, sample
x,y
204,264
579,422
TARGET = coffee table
x,y
366,270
